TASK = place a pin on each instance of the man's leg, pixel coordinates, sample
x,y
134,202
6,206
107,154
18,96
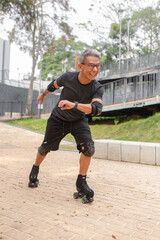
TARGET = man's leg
x,y
85,145
84,164
81,183
39,159
41,154
53,135
87,150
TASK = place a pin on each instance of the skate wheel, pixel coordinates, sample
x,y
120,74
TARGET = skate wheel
x,y
87,200
84,200
75,195
33,184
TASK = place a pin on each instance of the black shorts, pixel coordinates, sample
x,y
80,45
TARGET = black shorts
x,y
56,130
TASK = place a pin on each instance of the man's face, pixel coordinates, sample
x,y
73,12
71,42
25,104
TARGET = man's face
x,y
90,67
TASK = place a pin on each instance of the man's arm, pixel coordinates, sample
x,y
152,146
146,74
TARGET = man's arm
x,y
51,88
86,108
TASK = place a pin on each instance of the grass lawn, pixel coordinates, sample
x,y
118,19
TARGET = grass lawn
x,y
142,130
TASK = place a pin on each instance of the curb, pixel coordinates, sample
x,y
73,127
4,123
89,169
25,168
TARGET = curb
x,y
127,151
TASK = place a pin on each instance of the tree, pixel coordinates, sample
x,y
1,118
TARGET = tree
x,y
108,50
147,22
143,25
108,21
60,57
35,28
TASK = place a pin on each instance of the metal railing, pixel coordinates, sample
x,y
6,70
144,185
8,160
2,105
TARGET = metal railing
x,y
131,65
25,84
129,89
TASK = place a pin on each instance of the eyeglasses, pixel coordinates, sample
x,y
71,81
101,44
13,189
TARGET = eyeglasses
x,y
92,66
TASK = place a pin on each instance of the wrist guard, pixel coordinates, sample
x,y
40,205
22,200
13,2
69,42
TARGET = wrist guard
x,y
51,87
96,108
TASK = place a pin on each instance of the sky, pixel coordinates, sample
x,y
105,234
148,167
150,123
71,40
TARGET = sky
x,y
20,62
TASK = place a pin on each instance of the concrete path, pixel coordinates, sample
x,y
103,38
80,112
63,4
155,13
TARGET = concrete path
x,y
127,195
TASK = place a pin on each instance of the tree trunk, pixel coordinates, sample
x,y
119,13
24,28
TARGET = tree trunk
x,y
30,90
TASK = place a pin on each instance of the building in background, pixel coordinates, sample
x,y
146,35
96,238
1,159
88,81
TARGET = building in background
x,y
4,60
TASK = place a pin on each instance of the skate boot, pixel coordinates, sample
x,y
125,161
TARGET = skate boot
x,y
83,189
33,181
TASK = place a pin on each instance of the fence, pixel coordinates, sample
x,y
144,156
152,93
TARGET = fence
x,y
143,86
17,108
131,65
129,89
25,84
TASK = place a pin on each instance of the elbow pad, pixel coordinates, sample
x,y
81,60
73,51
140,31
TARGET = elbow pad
x,y
51,87
96,108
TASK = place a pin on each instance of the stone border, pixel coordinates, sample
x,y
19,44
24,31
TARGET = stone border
x,y
127,151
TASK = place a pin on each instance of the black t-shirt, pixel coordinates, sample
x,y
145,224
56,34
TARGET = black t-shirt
x,y
72,91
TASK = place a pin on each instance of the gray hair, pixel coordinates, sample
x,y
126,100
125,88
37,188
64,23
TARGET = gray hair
x,y
88,52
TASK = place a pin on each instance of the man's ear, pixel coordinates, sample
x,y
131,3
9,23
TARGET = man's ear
x,y
80,67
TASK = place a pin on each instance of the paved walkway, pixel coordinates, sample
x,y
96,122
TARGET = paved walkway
x,y
127,196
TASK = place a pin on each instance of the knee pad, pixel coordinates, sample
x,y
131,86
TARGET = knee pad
x,y
43,151
87,148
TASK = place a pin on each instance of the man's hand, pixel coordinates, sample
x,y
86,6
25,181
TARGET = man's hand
x,y
40,98
65,104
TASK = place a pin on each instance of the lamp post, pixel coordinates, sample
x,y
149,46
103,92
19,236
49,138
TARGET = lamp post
x,y
128,40
158,10
120,11
40,105
41,28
